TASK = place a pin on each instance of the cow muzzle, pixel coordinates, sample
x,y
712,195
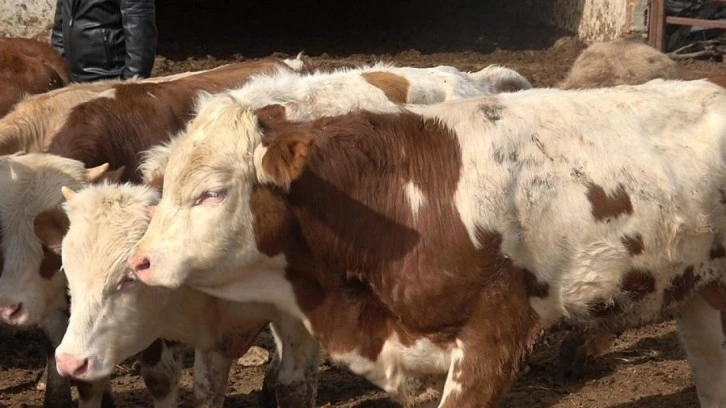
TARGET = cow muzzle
x,y
69,365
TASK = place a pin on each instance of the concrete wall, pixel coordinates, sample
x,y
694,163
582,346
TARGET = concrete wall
x,y
594,20
27,18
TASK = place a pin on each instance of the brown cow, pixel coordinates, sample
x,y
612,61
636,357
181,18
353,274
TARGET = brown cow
x,y
28,67
618,62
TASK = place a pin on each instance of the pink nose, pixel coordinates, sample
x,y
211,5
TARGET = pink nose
x,y
11,313
69,365
141,265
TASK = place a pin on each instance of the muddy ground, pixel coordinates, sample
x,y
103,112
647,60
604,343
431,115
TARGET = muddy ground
x,y
645,369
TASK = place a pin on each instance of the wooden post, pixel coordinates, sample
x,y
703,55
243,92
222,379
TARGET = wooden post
x,y
656,24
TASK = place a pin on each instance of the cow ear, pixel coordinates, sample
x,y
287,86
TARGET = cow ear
x,y
283,160
50,227
156,180
114,176
95,173
67,193
269,115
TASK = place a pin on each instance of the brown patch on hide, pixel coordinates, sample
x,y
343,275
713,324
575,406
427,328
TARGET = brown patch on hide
x,y
394,86
606,207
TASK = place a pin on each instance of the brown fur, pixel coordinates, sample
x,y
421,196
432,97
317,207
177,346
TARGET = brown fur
x,y
718,79
681,286
363,267
50,227
394,86
638,283
618,62
534,286
634,244
608,206
28,67
717,250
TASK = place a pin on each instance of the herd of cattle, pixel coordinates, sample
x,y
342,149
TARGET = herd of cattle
x,y
424,226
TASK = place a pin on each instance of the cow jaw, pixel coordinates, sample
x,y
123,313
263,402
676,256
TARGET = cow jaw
x,y
125,322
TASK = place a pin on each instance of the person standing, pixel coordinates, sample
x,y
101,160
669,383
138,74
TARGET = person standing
x,y
106,39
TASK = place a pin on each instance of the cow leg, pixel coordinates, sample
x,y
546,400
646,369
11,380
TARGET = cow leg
x,y
94,394
293,367
161,370
268,399
578,348
57,388
211,374
491,348
702,332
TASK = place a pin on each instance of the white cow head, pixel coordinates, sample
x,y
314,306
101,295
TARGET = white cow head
x,y
202,229
32,225
113,316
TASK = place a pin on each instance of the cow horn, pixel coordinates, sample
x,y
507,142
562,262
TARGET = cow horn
x,y
95,173
67,193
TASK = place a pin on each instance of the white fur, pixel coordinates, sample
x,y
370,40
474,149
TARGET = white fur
x,y
296,64
415,196
392,370
701,331
452,386
109,94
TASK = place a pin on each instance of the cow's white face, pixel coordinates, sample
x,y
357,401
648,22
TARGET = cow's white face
x,y
113,316
30,285
202,229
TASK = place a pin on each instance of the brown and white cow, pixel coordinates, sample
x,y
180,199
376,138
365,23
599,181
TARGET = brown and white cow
x,y
618,62
28,67
442,239
36,119
104,129
379,87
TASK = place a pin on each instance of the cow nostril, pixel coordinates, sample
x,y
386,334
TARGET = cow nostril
x,y
18,308
10,313
81,369
140,263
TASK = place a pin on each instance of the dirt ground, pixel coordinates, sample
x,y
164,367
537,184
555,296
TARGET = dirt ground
x,y
645,369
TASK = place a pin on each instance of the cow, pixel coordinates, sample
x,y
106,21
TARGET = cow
x,y
112,126
618,62
380,87
28,67
34,120
106,220
445,239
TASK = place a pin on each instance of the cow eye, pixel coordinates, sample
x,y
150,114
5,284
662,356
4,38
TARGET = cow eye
x,y
211,197
127,282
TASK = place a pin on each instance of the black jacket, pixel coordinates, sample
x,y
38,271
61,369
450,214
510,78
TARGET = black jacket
x,y
105,39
